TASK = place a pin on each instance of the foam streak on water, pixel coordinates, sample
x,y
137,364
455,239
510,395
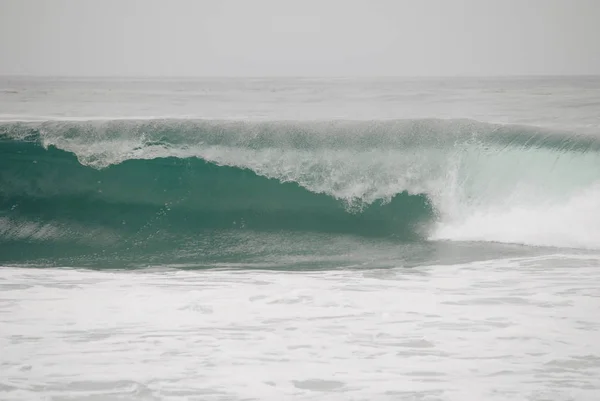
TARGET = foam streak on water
x,y
497,330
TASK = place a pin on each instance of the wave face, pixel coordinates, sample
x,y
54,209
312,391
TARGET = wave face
x,y
90,187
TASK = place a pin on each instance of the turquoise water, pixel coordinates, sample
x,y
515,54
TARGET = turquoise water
x,y
106,192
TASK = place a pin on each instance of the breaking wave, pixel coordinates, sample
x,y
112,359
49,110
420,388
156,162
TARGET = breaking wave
x,y
83,186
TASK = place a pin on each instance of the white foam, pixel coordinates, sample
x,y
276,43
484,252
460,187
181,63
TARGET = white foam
x,y
493,330
574,223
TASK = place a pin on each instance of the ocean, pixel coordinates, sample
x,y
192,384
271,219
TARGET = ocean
x,y
296,238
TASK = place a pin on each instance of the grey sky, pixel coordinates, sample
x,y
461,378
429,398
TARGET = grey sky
x,y
301,38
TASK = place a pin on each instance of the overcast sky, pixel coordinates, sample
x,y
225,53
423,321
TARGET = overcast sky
x,y
299,37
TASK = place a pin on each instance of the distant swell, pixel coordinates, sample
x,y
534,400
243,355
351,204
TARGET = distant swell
x,y
105,186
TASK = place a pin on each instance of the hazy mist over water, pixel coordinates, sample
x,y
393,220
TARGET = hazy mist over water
x,y
266,200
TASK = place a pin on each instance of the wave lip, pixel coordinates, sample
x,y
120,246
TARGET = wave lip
x,y
458,180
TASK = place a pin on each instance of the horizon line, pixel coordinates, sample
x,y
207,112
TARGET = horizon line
x,y
173,77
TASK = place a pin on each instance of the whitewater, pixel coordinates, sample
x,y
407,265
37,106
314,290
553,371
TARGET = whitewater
x,y
431,239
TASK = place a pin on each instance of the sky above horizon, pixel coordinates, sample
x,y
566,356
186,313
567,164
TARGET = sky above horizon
x,y
299,38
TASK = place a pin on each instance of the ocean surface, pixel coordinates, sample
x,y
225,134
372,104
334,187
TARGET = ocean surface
x,y
292,238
